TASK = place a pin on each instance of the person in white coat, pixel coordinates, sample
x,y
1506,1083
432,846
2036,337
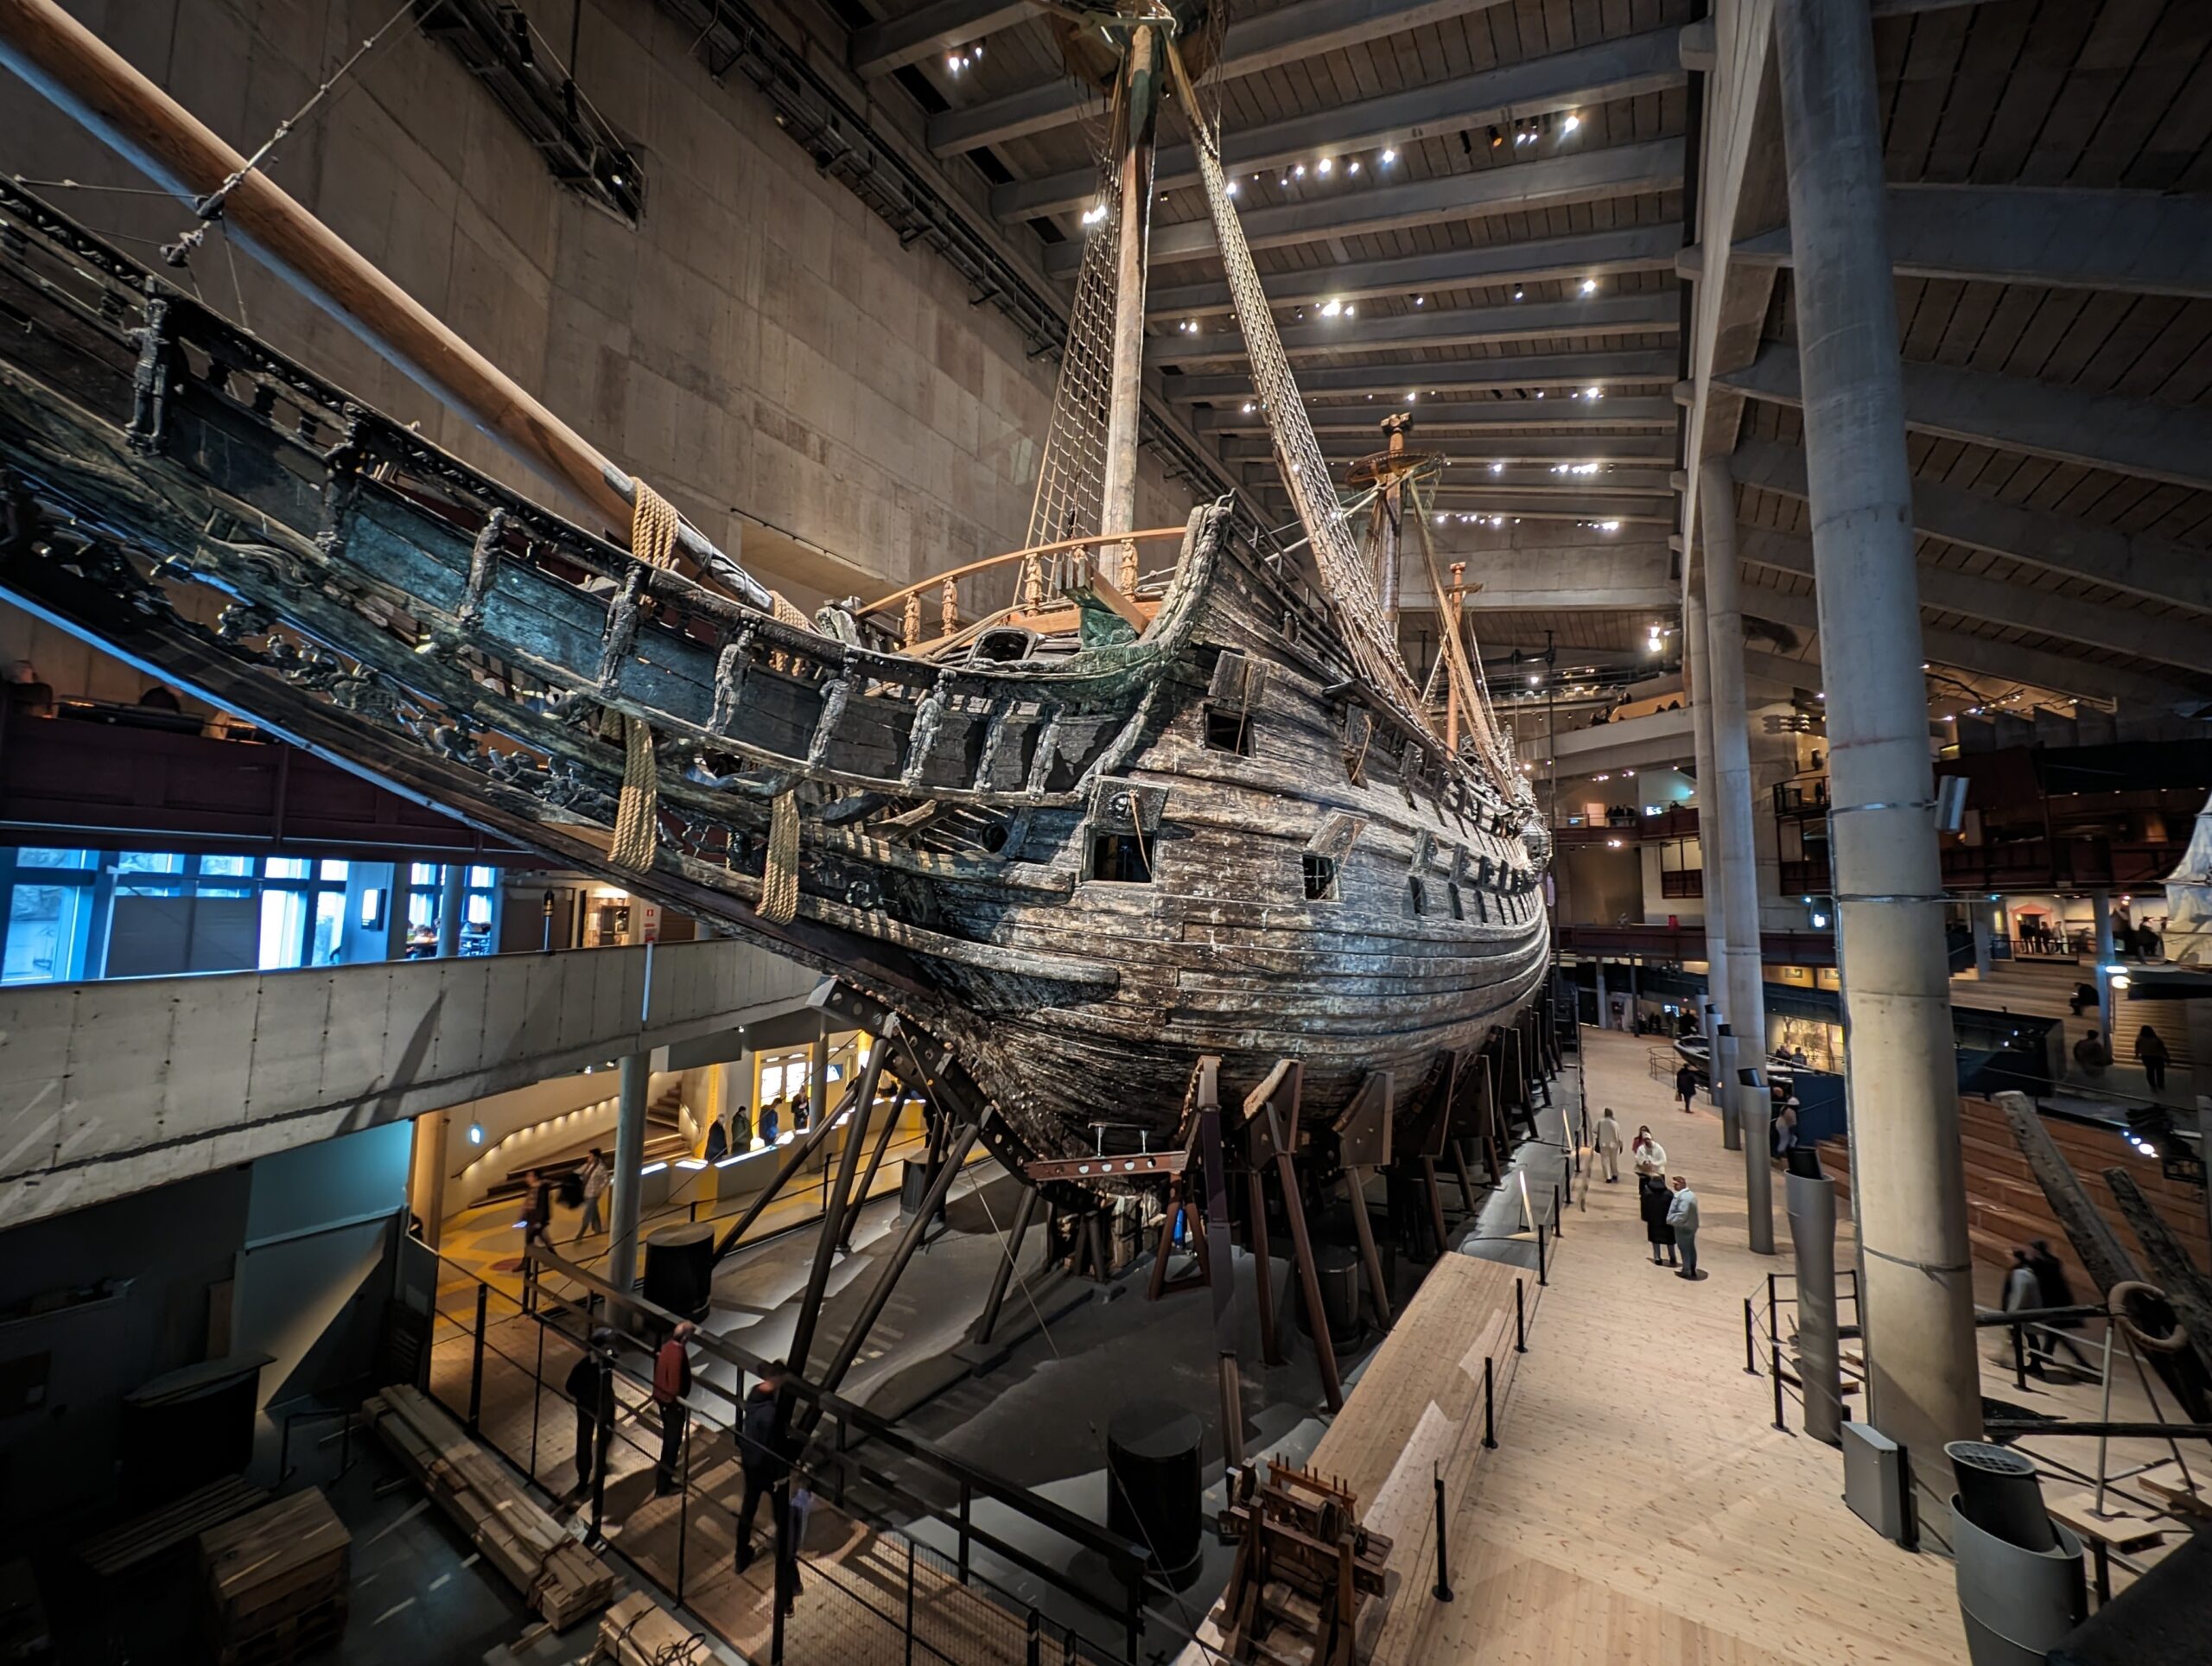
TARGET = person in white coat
x,y
1607,1144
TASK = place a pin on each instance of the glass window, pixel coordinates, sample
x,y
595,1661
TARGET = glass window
x,y
421,910
480,910
46,928
285,868
423,872
483,879
237,866
150,861
283,929
334,870
328,947
34,856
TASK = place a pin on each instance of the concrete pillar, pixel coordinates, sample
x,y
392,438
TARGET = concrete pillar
x,y
453,904
1979,922
1908,1188
2101,911
1716,935
426,1173
1732,842
629,1158
395,910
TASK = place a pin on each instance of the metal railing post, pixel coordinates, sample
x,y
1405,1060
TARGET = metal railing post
x,y
910,1603
1751,1340
779,1504
1519,1320
1442,1589
683,1517
2019,1356
602,1443
1558,1218
537,1393
1489,1404
476,1363
1773,1324
1775,1347
967,1497
1541,1277
1033,1643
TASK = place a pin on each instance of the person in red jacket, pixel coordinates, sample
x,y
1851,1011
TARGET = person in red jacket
x,y
671,1381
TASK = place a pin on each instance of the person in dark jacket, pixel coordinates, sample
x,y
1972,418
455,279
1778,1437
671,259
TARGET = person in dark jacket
x,y
2150,1049
2057,1291
1686,1086
590,1387
763,1450
1653,1200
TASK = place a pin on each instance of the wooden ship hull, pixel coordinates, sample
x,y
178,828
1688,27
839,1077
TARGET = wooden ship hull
x,y
1079,859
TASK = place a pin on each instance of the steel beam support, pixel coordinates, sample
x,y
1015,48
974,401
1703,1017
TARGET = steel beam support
x,y
1531,415
940,26
1458,326
1908,1188
1509,372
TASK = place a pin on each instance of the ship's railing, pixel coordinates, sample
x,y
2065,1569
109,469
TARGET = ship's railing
x,y
1042,572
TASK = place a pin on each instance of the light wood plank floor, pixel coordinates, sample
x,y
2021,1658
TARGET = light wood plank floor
x,y
1640,1506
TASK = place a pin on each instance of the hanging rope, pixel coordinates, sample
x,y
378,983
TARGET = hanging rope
x,y
780,883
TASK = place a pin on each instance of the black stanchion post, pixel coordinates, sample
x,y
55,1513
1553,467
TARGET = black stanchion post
x,y
684,1515
967,1497
1067,1645
1035,1642
1773,1324
1490,1405
1751,1341
1558,1219
1519,1320
1442,1591
1780,1422
476,1363
537,1393
910,1603
780,1506
1541,1277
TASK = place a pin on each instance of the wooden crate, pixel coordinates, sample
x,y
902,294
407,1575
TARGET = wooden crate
x,y
274,1581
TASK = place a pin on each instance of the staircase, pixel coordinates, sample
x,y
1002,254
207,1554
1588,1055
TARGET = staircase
x,y
2042,988
2006,1207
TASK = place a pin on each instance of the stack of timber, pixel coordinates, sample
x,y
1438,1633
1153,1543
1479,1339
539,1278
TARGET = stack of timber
x,y
1417,1412
145,1538
275,1581
559,1578
2007,1207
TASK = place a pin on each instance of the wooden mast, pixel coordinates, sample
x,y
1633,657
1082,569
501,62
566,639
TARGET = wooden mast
x,y
1391,508
1140,99
80,72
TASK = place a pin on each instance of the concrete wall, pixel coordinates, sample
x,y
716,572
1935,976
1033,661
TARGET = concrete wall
x,y
827,404
107,1087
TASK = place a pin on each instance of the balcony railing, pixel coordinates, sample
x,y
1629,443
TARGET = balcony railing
x,y
1688,943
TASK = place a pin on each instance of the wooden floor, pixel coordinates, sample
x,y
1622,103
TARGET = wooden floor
x,y
1641,1507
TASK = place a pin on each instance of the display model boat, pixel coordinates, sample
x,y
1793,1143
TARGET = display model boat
x,y
1173,796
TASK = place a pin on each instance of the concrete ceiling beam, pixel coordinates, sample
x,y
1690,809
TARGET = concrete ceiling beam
x,y
1649,449
1587,254
1426,331
1599,370
2156,568
1643,168
2130,242
885,47
1629,511
1555,414
2060,673
1306,28
1536,87
2011,413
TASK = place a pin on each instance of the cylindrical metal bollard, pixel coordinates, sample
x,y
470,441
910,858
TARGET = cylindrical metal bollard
x,y
1519,1320
1442,1590
1489,1404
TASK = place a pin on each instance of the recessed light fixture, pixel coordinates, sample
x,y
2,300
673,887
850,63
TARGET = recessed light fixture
x,y
1388,157
1589,284
1327,164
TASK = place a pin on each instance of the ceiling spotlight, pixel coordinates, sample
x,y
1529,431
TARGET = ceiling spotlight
x,y
1608,526
1232,187
1496,139
975,51
1349,309
1351,167
1299,172
1519,294
1593,393
1421,300
1497,469
1332,307
1573,120
1589,284
1093,214
1411,395
1247,407
952,62
1440,519
1327,164
1388,157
